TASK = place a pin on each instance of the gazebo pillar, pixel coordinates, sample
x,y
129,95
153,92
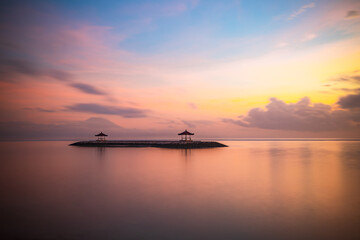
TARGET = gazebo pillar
x,y
185,136
101,137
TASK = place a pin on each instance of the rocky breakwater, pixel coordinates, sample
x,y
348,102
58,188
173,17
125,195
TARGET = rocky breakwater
x,y
161,144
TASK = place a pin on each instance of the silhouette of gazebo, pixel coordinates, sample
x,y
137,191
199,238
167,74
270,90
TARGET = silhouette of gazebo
x,y
186,136
101,136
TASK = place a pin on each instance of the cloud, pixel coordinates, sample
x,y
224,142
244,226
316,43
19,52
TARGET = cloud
x,y
281,44
11,67
71,130
352,14
155,10
5,45
189,124
192,105
301,10
194,123
40,110
109,110
309,37
350,101
86,88
356,78
19,66
300,116
347,89
59,75
46,46
66,130
347,78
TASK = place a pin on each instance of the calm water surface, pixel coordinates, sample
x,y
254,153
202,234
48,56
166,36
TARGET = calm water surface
x,y
251,190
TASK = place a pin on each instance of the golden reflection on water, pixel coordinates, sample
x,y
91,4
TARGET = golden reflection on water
x,y
252,189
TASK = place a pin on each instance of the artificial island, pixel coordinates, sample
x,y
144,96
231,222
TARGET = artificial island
x,y
185,142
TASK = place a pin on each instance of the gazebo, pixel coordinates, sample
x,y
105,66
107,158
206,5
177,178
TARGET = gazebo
x,y
101,137
186,136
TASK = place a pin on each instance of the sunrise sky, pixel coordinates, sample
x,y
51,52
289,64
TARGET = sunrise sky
x,y
150,69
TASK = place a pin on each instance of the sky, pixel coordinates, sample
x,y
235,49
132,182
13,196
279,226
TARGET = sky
x,y
150,69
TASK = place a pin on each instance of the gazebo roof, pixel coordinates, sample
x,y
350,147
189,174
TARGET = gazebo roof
x,y
101,135
186,133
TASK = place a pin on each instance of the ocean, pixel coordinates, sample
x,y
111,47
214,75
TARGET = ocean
x,y
249,190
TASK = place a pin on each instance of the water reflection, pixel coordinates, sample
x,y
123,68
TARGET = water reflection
x,y
276,173
350,152
185,154
100,151
251,190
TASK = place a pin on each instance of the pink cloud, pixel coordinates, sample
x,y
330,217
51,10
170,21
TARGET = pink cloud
x,y
301,10
329,18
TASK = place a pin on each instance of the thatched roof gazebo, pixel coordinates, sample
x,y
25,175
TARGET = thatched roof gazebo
x,y
186,136
101,136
